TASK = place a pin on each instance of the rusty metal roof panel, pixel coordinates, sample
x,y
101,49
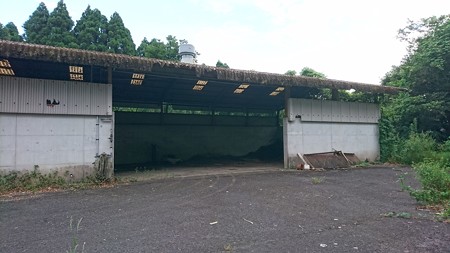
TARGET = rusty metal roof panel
x,y
26,51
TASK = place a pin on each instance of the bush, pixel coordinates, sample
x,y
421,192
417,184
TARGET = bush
x,y
435,180
416,148
36,181
434,177
29,181
407,150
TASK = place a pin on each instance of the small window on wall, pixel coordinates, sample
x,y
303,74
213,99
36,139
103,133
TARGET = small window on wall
x,y
76,73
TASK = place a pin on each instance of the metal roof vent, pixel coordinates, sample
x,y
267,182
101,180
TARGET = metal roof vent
x,y
187,52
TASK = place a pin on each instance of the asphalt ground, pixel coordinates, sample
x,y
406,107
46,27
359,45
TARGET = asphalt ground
x,y
330,211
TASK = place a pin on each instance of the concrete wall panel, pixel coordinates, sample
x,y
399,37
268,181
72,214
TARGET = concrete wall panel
x,y
52,142
344,126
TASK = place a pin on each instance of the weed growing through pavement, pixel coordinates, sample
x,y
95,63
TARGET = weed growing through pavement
x,y
36,181
29,181
227,247
317,180
74,244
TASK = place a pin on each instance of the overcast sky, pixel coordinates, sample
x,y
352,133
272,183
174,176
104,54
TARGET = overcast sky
x,y
353,40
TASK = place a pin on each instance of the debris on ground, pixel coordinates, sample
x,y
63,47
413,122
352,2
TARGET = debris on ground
x,y
326,160
251,222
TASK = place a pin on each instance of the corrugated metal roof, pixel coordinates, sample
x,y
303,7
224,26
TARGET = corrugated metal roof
x,y
26,51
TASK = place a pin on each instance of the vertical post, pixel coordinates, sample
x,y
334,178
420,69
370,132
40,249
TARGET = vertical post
x,y
287,95
110,163
335,94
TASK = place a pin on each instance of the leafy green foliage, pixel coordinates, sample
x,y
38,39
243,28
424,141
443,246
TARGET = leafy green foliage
x,y
119,37
413,149
10,32
159,50
60,25
426,72
291,73
434,176
75,240
220,64
36,27
309,92
90,30
312,73
30,181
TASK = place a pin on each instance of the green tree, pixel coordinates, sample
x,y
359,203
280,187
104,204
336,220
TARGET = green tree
x,y
425,71
119,37
291,73
172,47
90,30
152,49
309,92
36,27
222,65
10,32
306,71
61,24
159,50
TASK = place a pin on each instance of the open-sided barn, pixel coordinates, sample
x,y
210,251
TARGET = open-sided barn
x,y
61,109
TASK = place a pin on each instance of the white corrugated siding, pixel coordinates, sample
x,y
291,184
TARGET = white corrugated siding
x,y
9,92
24,95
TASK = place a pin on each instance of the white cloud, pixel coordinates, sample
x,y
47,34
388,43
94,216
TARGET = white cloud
x,y
348,39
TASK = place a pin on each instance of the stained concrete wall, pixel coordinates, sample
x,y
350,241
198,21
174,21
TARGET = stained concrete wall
x,y
54,125
52,143
315,126
147,138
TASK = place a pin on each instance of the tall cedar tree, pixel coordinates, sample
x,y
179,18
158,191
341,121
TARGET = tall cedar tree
x,y
90,30
61,24
10,32
119,37
36,27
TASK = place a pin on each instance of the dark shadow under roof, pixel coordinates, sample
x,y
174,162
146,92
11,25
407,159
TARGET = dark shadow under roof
x,y
165,81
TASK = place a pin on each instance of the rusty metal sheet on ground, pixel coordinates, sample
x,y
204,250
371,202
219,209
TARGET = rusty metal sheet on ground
x,y
331,160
